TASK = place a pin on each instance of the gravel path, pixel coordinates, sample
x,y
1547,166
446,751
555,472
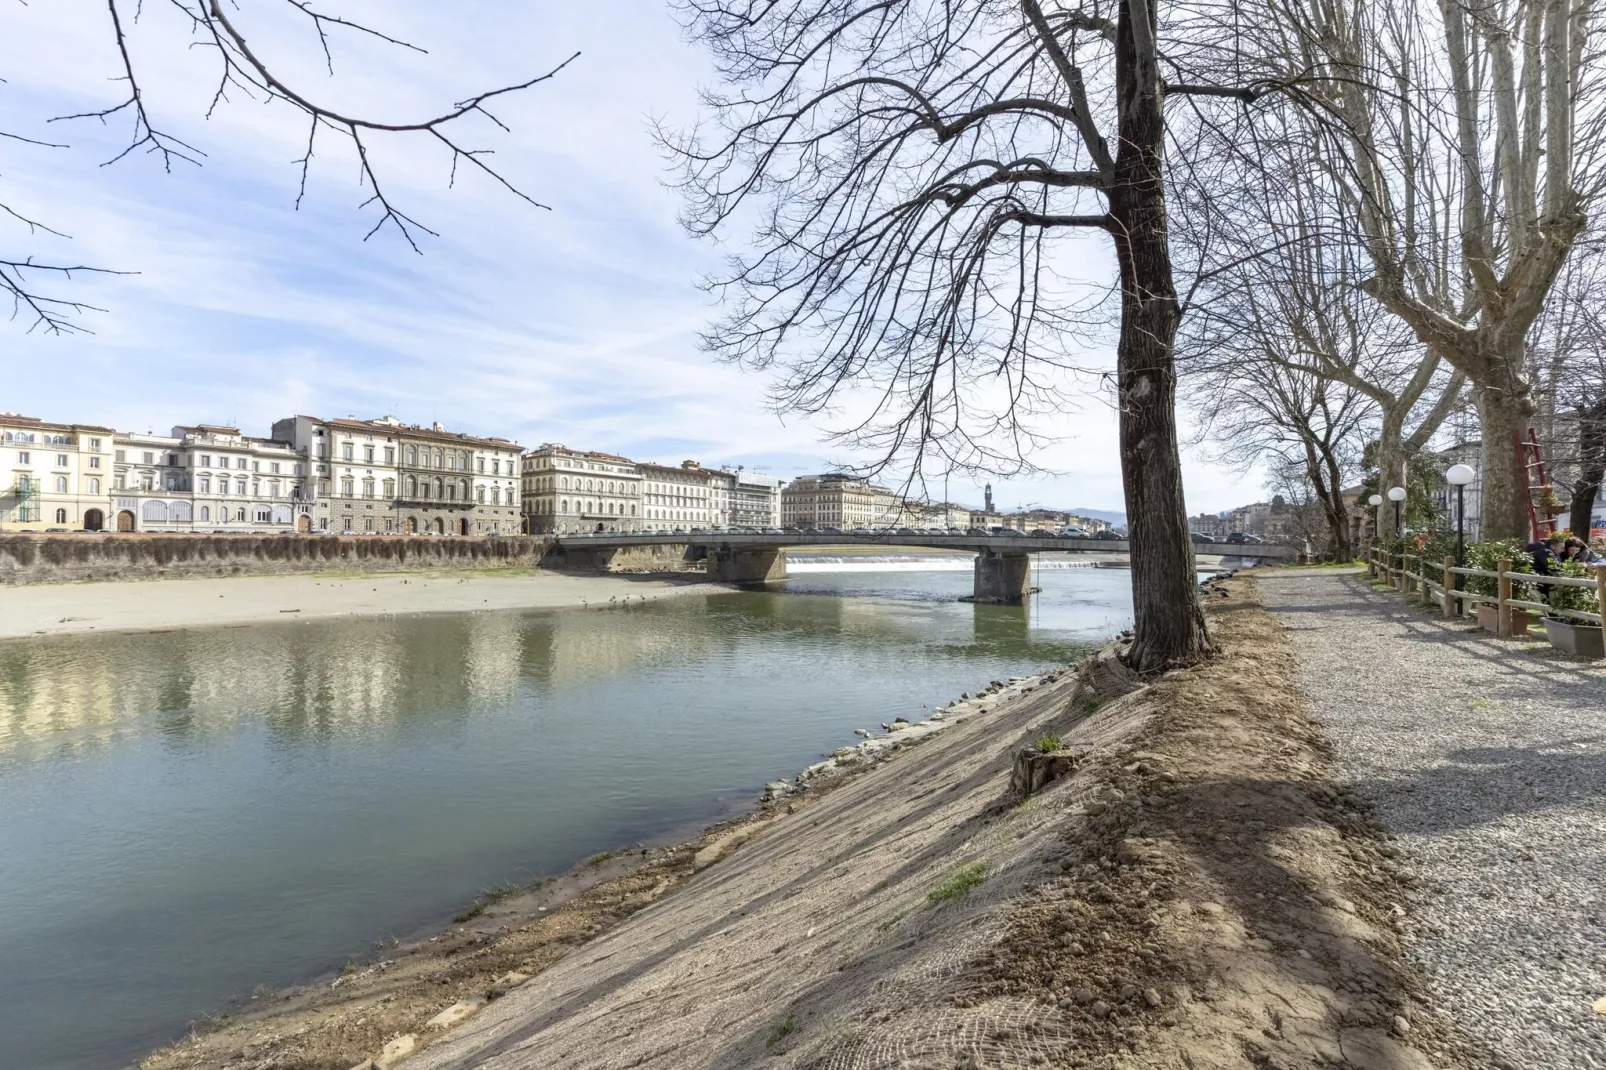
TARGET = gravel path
x,y
1487,758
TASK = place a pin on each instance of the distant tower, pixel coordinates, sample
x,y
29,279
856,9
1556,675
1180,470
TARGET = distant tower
x,y
989,497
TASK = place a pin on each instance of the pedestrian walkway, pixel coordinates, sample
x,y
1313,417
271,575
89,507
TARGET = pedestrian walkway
x,y
1487,758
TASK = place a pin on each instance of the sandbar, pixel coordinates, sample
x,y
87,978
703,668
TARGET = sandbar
x,y
205,602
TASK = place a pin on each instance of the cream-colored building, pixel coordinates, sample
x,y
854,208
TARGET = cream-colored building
x,y
208,478
685,496
832,500
53,476
567,490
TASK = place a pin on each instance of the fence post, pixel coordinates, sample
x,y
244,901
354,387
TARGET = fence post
x,y
1452,604
1503,593
1371,562
1600,592
1405,567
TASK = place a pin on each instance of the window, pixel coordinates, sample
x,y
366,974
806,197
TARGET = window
x,y
368,488
273,488
61,516
412,454
239,488
368,454
390,524
94,462
61,460
323,523
94,445
390,488
346,486
256,466
263,514
440,490
239,462
206,514
23,457
172,460
154,511
463,485
61,484
94,486
150,458
274,467
180,511
451,491
412,486
390,458
345,453
482,464
368,523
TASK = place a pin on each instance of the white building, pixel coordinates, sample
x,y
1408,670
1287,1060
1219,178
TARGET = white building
x,y
686,496
567,490
53,476
208,478
755,502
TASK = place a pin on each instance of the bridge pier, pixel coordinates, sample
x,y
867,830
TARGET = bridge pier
x,y
762,567
1002,577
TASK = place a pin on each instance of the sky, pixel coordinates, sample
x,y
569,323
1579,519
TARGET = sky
x,y
575,323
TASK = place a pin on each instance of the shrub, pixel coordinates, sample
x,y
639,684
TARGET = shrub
x,y
1582,599
1487,555
958,884
1047,743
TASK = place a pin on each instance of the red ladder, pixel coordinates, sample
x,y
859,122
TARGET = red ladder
x,y
1530,462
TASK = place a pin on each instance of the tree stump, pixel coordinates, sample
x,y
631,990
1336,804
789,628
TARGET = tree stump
x,y
1035,770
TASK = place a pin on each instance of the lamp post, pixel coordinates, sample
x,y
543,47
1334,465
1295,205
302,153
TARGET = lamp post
x,y
1396,495
1458,477
1376,502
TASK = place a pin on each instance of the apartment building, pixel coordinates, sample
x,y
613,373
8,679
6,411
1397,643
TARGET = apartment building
x,y
568,490
208,477
832,500
755,502
53,475
685,496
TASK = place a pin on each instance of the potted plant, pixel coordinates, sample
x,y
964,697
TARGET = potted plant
x,y
1569,634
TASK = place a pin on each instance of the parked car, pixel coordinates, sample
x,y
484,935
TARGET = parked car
x,y
861,531
1199,536
907,531
1044,533
1243,537
1074,533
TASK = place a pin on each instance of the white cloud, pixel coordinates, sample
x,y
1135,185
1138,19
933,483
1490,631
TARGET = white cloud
x,y
576,324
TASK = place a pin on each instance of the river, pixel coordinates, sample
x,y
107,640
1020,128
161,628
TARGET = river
x,y
187,815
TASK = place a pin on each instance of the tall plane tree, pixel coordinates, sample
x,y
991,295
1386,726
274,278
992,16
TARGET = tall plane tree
x,y
1463,142
907,168
219,35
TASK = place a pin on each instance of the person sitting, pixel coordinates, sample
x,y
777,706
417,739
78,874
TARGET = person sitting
x,y
1579,551
1545,553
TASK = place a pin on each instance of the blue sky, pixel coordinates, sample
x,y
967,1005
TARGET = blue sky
x,y
575,325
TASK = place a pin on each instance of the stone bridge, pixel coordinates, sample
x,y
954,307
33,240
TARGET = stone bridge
x,y
754,559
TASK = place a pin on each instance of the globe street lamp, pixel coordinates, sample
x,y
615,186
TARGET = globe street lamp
x,y
1458,477
1396,495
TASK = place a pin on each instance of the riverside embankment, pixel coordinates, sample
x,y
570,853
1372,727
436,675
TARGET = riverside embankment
x,y
65,558
1197,890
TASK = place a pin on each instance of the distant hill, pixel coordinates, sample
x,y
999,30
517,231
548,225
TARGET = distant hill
x,y
1116,519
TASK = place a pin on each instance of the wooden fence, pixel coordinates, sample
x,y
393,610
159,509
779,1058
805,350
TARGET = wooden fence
x,y
1441,585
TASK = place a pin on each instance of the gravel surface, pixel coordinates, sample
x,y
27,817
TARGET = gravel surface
x,y
1487,758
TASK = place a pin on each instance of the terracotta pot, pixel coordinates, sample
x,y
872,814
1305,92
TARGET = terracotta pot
x,y
1489,620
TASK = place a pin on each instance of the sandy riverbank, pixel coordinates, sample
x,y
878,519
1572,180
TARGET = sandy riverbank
x,y
147,605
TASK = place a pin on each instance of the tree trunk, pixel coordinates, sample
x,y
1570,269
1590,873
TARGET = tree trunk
x,y
1591,467
1504,414
1391,471
1169,625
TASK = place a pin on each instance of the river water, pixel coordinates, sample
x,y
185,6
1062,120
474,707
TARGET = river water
x,y
186,815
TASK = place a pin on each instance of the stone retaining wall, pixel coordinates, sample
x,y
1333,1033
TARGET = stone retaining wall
x,y
61,558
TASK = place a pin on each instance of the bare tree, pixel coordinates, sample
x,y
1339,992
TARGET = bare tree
x,y
241,72
1278,306
1462,144
910,171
